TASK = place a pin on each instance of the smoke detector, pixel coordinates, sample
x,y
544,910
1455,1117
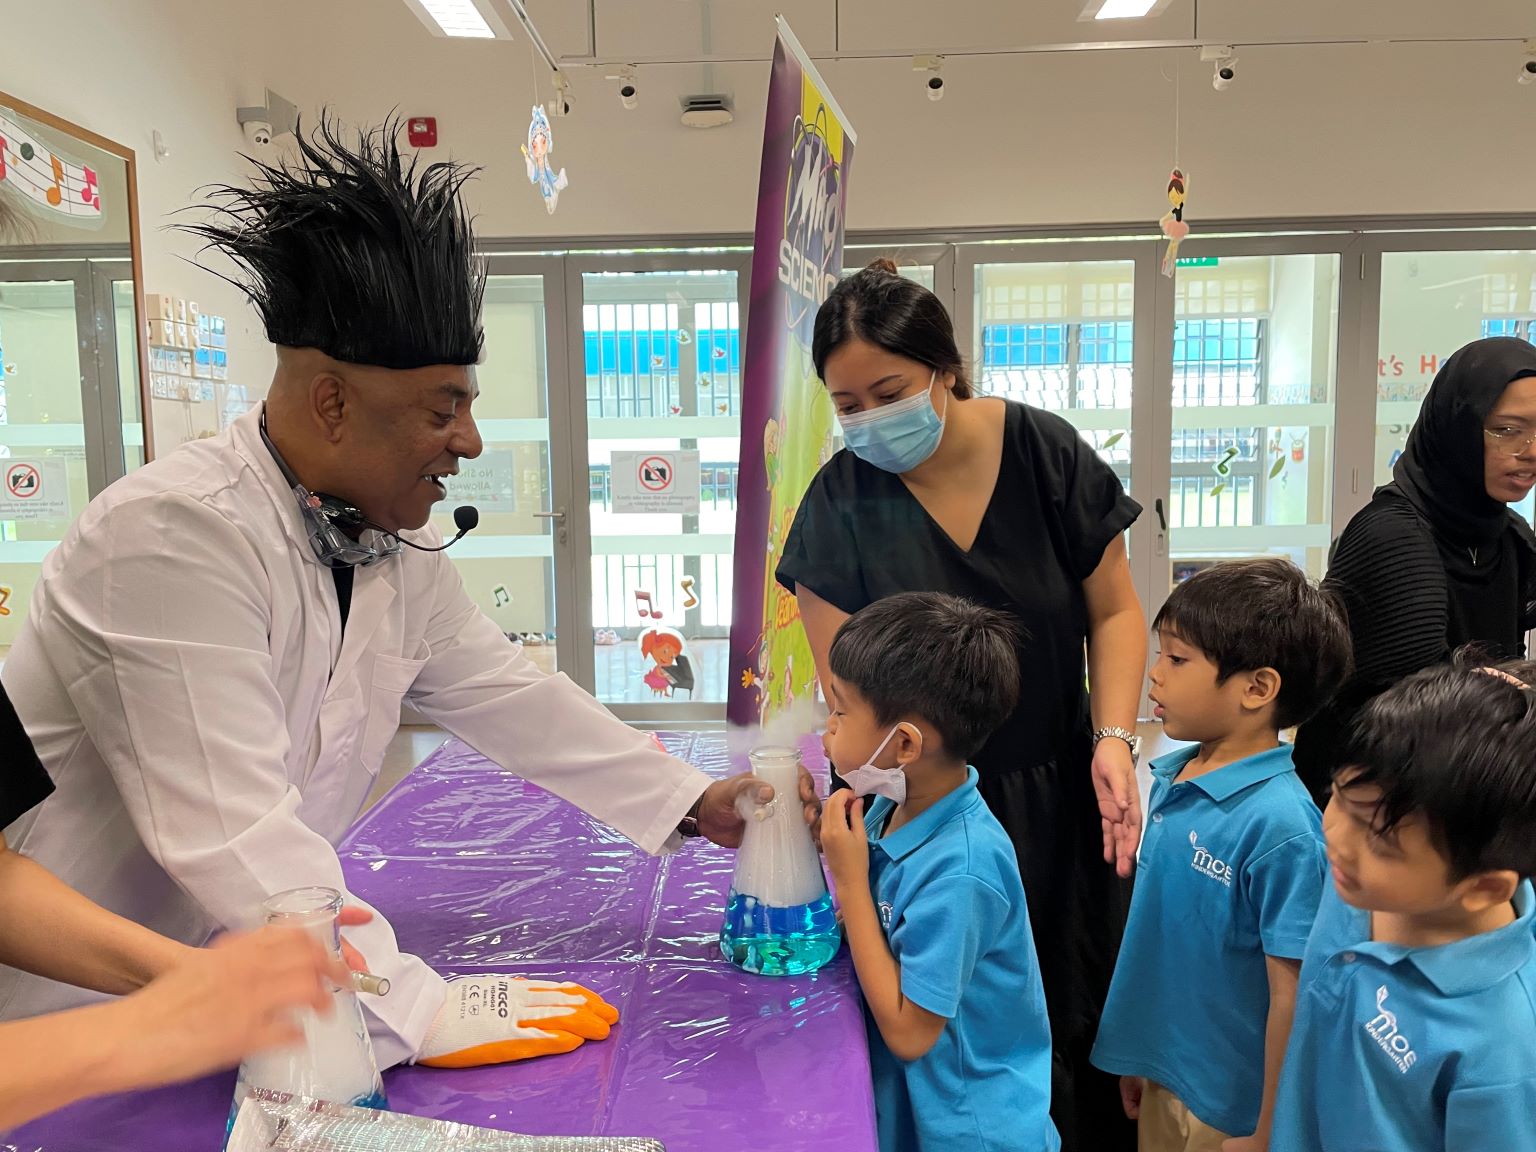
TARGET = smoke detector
x,y
713,111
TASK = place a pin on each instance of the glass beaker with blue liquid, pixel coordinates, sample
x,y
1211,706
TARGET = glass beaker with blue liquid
x,y
334,1062
779,920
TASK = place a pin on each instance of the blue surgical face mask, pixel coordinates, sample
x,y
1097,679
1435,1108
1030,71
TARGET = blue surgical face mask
x,y
897,437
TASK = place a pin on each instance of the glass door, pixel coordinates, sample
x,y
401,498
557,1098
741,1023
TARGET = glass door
x,y
1056,327
61,441
512,563
1254,372
656,404
1432,303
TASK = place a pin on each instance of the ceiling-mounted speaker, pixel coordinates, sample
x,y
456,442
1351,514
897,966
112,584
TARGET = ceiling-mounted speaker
x,y
712,111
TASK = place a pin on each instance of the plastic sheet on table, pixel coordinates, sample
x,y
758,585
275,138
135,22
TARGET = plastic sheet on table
x,y
270,1122
458,914
502,815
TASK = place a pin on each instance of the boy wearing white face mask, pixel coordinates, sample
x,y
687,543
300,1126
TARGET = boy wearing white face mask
x,y
928,882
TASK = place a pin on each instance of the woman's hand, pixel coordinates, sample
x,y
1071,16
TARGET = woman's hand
x,y
227,1001
1114,785
844,840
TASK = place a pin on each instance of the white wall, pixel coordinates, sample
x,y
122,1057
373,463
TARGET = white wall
x,y
123,68
1060,138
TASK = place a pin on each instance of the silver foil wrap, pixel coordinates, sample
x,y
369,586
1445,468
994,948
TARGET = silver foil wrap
x,y
269,1121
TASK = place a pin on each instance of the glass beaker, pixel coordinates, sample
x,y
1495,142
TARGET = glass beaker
x,y
335,1061
779,920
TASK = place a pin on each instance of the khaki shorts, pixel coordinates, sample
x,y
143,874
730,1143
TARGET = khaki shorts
x,y
1166,1125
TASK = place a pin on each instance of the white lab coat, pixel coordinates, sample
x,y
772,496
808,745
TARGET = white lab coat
x,y
213,733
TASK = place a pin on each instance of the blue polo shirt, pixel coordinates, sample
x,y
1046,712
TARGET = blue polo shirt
x,y
1231,869
1400,1049
949,896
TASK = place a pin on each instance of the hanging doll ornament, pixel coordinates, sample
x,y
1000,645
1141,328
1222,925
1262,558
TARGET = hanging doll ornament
x,y
541,141
1172,223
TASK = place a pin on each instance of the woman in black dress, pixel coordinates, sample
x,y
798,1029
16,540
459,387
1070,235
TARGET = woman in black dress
x,y
1006,505
1437,560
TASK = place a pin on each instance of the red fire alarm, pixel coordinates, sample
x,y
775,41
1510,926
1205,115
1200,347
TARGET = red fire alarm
x,y
421,131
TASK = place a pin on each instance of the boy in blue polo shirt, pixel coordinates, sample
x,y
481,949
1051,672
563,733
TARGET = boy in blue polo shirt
x,y
1416,1019
1231,865
933,908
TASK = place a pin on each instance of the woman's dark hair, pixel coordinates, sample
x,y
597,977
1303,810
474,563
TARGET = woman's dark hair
x,y
1458,745
1244,615
884,308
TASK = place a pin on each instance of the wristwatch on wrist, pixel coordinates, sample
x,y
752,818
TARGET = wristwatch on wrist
x,y
1132,740
688,826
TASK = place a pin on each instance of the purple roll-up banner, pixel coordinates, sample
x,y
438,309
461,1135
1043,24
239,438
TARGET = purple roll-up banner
x,y
787,419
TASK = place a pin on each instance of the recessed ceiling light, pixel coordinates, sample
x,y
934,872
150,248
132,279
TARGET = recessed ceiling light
x,y
1121,9
460,19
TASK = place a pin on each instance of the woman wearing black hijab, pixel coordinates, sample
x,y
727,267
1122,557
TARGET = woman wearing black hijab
x,y
1437,560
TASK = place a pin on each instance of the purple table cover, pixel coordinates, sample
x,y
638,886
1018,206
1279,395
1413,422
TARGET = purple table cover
x,y
479,871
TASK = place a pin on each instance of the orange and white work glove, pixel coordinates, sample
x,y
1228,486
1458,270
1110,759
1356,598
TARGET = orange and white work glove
x,y
497,1019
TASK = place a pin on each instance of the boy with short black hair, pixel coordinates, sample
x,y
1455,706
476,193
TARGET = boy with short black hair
x,y
1416,1017
1231,865
933,907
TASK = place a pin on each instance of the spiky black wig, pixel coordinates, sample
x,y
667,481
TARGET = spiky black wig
x,y
353,252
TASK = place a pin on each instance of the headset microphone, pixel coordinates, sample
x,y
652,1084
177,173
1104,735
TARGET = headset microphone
x,y
466,517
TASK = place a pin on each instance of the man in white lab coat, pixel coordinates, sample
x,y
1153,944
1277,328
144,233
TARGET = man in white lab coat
x,y
215,657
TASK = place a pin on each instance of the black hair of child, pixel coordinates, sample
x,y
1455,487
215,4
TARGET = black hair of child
x,y
942,659
1244,615
1457,745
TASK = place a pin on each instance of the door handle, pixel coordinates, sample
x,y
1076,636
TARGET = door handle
x,y
558,514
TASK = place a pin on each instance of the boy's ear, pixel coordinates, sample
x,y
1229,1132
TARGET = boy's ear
x,y
910,740
1485,890
1263,689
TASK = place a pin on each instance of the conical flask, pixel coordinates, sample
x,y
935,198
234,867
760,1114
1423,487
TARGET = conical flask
x,y
779,919
335,1061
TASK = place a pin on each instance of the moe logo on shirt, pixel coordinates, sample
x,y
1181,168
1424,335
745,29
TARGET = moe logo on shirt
x,y
1207,865
1383,1029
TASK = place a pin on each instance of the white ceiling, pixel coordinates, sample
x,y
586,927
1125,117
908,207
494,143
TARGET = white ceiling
x,y
675,30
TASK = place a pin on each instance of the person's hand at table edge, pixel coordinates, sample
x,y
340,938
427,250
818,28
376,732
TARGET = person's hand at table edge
x,y
723,807
499,1019
227,1001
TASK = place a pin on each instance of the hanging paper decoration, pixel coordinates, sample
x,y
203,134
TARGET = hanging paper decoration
x,y
1172,223
1299,449
541,141
45,178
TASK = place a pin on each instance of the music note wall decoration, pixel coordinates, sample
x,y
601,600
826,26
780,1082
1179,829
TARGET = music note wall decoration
x,y
46,179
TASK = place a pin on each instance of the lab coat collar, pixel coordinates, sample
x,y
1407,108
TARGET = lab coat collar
x,y
373,590
245,435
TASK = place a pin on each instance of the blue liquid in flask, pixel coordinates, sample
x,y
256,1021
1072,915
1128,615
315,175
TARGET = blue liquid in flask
x,y
770,941
779,919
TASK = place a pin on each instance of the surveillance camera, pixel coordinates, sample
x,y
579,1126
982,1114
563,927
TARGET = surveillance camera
x,y
629,96
1528,71
560,105
935,88
258,133
1226,72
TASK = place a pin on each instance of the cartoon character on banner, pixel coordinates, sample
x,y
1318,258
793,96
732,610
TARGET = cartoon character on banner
x,y
1172,223
541,141
773,441
670,669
